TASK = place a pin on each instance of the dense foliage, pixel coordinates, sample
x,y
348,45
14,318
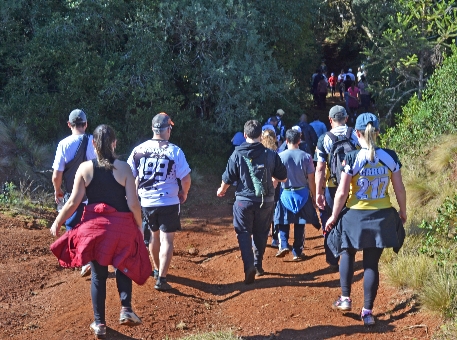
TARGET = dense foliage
x,y
423,121
211,65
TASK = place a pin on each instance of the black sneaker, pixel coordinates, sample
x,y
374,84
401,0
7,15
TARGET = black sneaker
x,y
162,284
249,276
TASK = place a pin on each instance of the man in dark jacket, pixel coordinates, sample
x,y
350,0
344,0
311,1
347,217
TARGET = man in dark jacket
x,y
257,170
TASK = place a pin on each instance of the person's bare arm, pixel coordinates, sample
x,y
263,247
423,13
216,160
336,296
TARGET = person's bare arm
x,y
222,189
57,183
340,199
319,184
77,194
400,194
312,186
185,185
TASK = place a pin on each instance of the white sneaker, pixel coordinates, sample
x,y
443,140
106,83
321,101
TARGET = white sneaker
x,y
85,270
129,319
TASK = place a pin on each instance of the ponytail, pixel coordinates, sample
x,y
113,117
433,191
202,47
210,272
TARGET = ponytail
x,y
370,137
104,138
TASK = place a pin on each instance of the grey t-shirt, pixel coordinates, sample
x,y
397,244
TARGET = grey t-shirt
x,y
299,165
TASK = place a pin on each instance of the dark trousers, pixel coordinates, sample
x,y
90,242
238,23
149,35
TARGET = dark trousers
x,y
299,237
324,215
74,219
371,258
98,290
252,224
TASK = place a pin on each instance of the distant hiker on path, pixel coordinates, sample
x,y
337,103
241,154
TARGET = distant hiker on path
x,y
366,220
254,167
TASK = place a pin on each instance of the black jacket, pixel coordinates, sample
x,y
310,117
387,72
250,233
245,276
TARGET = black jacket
x,y
266,164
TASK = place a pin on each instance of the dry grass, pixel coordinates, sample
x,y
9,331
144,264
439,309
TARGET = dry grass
x,y
227,335
442,157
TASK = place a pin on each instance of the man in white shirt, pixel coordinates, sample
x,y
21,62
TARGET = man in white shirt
x,y
163,179
71,152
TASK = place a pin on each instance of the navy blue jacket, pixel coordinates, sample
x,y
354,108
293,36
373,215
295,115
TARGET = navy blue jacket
x,y
267,164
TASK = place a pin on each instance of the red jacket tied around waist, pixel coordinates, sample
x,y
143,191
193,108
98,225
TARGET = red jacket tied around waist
x,y
108,237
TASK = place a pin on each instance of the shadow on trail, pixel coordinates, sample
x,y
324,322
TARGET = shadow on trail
x,y
115,335
228,291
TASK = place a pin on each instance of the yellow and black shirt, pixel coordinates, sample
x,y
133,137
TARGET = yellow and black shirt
x,y
370,180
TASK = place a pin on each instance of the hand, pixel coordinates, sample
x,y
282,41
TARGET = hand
x,y
402,216
182,196
320,201
58,195
220,192
330,223
55,229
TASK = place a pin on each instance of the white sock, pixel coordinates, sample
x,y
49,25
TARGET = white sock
x,y
344,298
366,311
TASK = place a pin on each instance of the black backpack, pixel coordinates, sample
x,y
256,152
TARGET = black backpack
x,y
341,146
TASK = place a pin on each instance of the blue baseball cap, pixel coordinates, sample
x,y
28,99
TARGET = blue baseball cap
x,y
364,119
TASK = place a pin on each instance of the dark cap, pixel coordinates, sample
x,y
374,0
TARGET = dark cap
x,y
161,120
337,112
77,116
364,119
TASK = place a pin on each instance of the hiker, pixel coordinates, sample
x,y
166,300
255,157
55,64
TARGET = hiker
x,y
332,83
157,166
237,139
110,229
319,127
269,141
347,84
296,200
364,94
368,222
341,78
254,167
326,186
321,92
309,136
353,102
350,74
71,152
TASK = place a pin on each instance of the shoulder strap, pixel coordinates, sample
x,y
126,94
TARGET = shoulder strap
x,y
332,136
71,167
349,133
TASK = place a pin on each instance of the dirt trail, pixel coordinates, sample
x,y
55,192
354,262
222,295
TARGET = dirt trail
x,y
39,300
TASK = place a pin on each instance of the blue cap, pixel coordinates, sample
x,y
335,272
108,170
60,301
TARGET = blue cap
x,y
364,119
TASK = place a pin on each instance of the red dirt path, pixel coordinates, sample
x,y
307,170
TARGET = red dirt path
x,y
40,300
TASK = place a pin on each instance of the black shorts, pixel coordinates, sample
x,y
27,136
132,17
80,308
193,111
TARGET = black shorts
x,y
164,218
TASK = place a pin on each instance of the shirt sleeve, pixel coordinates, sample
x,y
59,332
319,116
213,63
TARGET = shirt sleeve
x,y
90,153
309,166
131,163
321,154
59,160
231,173
182,167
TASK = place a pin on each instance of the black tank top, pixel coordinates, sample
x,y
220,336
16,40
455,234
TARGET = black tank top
x,y
105,189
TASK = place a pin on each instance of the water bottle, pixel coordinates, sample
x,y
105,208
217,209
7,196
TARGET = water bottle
x,y
60,203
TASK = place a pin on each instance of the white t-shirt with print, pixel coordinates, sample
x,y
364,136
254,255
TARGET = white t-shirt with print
x,y
66,151
158,164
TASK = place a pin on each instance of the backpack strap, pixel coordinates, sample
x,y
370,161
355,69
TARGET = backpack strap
x,y
349,133
332,137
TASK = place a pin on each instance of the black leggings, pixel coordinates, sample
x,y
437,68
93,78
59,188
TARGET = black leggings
x,y
371,258
98,290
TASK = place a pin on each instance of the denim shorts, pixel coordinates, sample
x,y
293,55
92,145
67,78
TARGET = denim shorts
x,y
164,218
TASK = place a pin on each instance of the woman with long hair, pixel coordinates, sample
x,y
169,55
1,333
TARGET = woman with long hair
x,y
368,222
110,229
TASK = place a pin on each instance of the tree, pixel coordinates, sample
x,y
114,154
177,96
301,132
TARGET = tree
x,y
408,45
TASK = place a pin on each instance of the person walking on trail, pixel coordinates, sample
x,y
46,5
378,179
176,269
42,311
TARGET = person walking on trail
x,y
319,127
341,78
325,186
157,165
110,230
368,222
70,153
350,74
296,199
269,141
255,168
332,83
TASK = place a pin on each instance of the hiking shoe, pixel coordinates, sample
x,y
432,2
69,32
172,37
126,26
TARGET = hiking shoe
x,y
282,252
367,318
155,274
299,258
343,305
249,276
99,330
162,284
275,243
129,318
85,270
259,272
